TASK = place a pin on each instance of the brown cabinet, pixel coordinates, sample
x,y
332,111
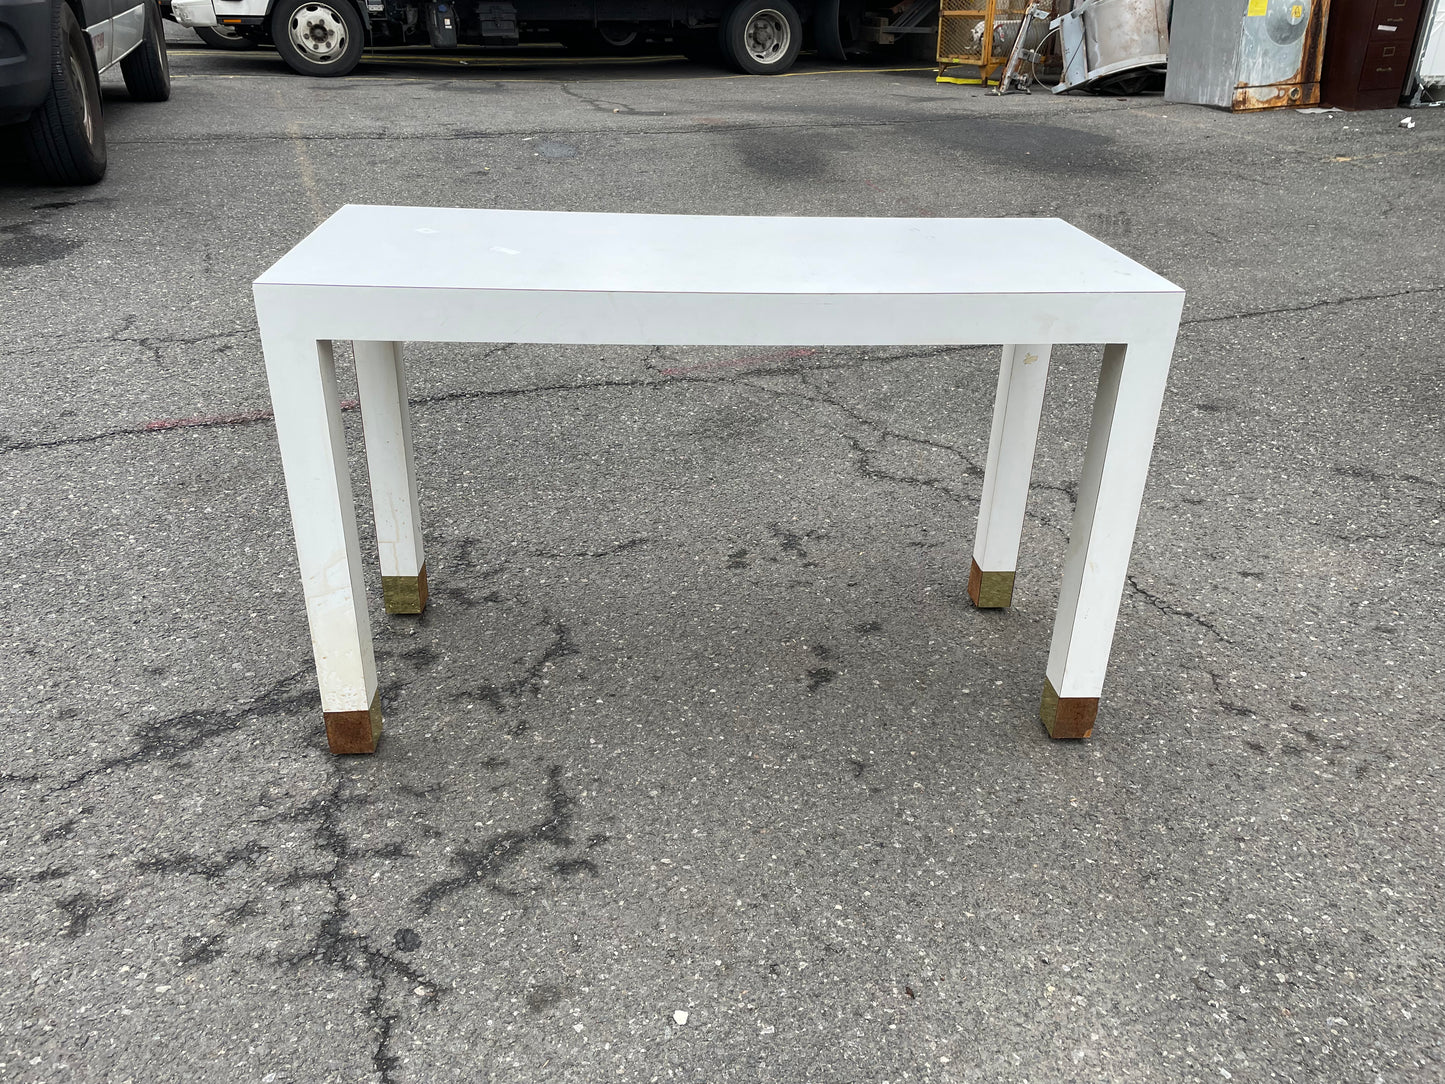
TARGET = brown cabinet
x,y
1367,52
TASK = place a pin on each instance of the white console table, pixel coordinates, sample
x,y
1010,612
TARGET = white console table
x,y
380,276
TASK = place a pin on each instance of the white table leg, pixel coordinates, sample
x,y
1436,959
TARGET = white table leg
x,y
1016,410
1116,464
302,376
386,416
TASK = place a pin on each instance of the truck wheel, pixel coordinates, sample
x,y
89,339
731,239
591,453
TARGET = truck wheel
x,y
762,37
317,37
605,39
65,137
224,37
835,31
146,68
617,38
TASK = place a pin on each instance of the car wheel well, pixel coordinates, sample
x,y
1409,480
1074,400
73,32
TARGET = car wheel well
x,y
79,12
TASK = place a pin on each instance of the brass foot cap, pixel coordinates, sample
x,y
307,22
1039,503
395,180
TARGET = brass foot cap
x,y
1067,716
355,731
405,594
990,590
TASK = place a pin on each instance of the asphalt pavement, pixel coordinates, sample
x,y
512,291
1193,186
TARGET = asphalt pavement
x,y
699,719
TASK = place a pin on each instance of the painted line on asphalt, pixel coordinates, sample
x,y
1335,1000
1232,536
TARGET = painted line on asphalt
x,y
303,162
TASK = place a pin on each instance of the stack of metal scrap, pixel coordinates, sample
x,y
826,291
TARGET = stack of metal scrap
x,y
1115,45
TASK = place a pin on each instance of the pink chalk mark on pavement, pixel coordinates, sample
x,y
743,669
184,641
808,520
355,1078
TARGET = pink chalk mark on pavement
x,y
737,363
201,421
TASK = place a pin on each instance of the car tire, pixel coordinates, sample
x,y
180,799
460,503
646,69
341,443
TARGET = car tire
x,y
318,37
761,37
224,37
65,138
146,69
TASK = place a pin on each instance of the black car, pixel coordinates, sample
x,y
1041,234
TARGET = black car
x,y
51,55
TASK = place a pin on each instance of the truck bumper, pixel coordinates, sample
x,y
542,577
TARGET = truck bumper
x,y
24,57
193,12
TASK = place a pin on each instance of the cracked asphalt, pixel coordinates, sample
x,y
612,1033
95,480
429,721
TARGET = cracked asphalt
x,y
699,718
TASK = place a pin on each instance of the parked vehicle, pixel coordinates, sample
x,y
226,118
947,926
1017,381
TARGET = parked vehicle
x,y
51,55
762,37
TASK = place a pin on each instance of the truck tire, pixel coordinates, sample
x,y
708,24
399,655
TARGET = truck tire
x,y
619,37
65,138
317,37
146,69
833,32
224,37
762,37
605,39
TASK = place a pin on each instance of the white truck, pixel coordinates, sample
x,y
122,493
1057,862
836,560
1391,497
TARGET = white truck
x,y
760,37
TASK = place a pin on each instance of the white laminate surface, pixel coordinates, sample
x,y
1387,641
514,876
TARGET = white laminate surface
x,y
449,248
